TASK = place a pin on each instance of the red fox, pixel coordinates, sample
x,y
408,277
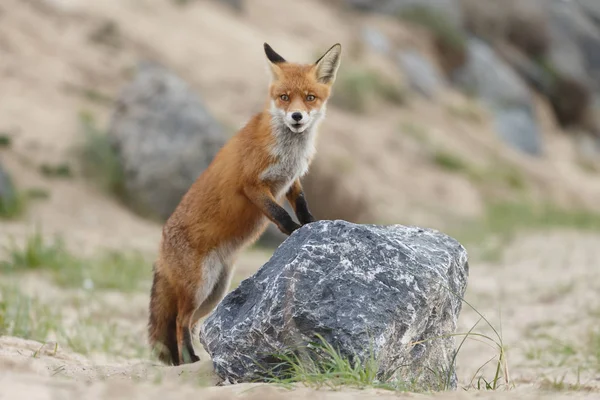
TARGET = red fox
x,y
230,204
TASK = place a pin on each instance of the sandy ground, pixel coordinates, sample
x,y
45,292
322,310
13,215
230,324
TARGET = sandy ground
x,y
541,296
543,292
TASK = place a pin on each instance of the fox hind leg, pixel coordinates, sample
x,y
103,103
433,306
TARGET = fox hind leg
x,y
216,294
185,347
216,277
162,321
210,289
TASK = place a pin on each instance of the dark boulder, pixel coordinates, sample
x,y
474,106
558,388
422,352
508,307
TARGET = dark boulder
x,y
505,93
367,290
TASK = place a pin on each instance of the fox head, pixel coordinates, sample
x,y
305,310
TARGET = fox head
x,y
298,92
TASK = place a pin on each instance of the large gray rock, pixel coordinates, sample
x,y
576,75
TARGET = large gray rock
x,y
575,42
422,76
368,290
164,137
517,126
538,77
488,76
592,9
376,40
505,93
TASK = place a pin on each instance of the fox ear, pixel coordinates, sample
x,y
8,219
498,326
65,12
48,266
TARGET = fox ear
x,y
274,59
328,64
272,55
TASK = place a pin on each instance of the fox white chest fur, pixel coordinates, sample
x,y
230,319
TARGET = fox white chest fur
x,y
293,152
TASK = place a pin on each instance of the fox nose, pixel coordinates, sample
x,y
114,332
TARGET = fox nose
x,y
297,116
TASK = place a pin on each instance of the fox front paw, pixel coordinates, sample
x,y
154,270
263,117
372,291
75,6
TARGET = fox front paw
x,y
308,219
290,228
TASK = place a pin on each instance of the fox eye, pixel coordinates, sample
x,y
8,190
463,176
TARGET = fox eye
x,y
284,97
310,97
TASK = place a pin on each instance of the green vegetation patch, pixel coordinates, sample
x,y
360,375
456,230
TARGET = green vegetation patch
x,y
355,87
25,316
99,158
504,220
62,170
451,161
319,364
12,201
108,270
5,140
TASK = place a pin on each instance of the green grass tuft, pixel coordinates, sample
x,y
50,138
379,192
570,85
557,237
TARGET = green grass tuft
x,y
12,201
35,254
450,161
5,140
25,316
110,270
13,206
99,158
62,170
37,193
549,352
88,336
561,385
319,364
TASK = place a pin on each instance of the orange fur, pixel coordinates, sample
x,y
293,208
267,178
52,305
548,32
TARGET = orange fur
x,y
229,205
